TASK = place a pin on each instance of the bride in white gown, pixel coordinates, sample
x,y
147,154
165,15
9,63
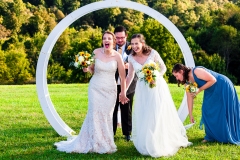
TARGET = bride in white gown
x,y
157,129
96,134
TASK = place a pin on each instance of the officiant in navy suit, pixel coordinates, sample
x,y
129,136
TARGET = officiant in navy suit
x,y
124,48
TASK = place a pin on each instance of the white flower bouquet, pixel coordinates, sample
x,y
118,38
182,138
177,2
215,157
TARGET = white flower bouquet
x,y
83,59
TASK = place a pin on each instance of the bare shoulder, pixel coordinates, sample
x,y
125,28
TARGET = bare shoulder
x,y
201,73
115,54
199,70
97,51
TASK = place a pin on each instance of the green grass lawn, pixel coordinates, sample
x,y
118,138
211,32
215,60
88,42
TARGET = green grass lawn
x,y
26,134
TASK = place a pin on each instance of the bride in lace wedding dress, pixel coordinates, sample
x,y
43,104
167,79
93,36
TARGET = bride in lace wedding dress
x,y
157,129
96,134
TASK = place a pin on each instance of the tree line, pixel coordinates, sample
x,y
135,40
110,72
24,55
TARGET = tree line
x,y
211,28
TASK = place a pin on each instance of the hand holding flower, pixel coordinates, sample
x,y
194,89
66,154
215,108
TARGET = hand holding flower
x,y
192,89
83,60
193,94
85,69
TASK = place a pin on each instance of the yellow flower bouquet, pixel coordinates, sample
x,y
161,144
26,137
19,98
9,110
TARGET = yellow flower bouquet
x,y
148,74
83,59
191,87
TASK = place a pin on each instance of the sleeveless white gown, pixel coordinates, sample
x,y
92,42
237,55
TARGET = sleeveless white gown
x,y
96,134
157,129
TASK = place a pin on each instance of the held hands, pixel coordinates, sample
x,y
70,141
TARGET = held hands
x,y
123,99
126,65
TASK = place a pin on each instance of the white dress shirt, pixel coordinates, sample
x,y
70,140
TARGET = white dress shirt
x,y
124,57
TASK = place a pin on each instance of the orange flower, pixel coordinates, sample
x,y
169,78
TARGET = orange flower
x,y
148,74
149,79
87,55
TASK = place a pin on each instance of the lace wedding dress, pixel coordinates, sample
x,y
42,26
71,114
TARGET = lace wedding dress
x,y
96,134
157,129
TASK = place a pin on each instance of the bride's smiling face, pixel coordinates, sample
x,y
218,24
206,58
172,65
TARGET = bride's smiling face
x,y
108,41
137,45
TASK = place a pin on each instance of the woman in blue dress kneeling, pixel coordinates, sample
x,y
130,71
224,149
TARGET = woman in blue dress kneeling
x,y
221,106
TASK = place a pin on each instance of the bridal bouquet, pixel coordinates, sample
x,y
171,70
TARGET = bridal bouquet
x,y
83,59
148,74
191,87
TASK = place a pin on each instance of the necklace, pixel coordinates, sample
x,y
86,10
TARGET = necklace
x,y
108,55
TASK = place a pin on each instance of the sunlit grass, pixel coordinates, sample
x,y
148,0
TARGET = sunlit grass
x,y
25,132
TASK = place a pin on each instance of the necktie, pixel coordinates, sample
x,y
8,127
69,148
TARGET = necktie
x,y
120,50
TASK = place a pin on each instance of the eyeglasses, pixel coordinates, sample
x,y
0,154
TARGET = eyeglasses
x,y
120,37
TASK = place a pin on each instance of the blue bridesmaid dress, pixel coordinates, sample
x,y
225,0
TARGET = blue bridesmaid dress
x,y
220,110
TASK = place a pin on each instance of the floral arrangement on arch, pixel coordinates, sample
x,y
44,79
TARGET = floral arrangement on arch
x,y
148,74
83,59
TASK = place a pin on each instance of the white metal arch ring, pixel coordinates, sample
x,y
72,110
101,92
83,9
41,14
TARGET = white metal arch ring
x,y
43,95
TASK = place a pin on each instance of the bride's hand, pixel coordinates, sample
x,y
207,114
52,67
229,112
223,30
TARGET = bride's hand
x,y
123,99
126,65
85,69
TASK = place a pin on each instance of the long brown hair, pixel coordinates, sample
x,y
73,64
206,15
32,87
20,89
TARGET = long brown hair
x,y
114,37
177,68
145,48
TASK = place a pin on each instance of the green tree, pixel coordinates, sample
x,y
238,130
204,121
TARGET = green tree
x,y
17,65
4,74
55,73
193,45
224,42
14,14
4,33
33,48
213,62
235,21
83,40
42,21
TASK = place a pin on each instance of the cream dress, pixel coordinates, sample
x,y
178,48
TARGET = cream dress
x,y
96,134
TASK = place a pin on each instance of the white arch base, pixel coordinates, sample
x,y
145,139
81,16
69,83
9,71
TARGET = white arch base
x,y
43,95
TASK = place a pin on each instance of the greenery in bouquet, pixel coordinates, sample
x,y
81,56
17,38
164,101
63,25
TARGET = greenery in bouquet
x,y
148,74
191,87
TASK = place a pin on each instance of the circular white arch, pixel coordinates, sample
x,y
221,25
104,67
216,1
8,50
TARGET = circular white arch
x,y
41,81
